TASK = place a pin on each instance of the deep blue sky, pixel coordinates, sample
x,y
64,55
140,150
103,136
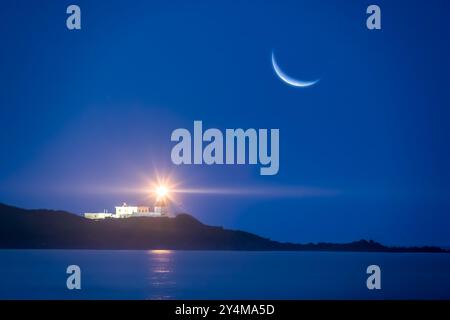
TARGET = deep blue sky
x,y
86,113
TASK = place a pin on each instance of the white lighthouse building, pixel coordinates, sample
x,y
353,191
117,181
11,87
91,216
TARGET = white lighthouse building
x,y
127,211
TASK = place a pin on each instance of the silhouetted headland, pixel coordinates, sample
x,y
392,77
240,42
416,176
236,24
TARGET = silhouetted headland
x,y
48,229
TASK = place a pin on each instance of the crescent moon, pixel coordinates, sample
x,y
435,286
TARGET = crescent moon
x,y
289,80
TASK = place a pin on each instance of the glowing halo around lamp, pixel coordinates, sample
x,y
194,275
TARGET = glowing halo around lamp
x,y
162,191
161,188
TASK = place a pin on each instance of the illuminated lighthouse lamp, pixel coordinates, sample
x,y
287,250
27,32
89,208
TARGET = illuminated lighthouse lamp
x,y
161,201
161,192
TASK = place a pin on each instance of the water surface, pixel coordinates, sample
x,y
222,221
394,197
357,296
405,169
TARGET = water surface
x,y
41,274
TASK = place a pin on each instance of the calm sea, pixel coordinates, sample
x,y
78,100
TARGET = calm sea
x,y
41,274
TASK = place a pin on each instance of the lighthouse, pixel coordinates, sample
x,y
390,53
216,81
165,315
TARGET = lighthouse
x,y
161,201
161,207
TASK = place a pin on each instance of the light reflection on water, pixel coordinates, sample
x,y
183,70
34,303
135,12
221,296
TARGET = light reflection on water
x,y
161,274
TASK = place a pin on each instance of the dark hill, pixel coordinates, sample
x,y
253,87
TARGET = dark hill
x,y
48,229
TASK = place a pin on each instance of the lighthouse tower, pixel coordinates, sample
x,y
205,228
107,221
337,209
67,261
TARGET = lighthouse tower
x,y
161,206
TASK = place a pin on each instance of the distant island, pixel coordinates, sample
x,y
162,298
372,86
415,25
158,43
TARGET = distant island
x,y
49,229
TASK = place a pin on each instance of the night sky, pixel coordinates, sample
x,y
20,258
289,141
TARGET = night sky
x,y
86,116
